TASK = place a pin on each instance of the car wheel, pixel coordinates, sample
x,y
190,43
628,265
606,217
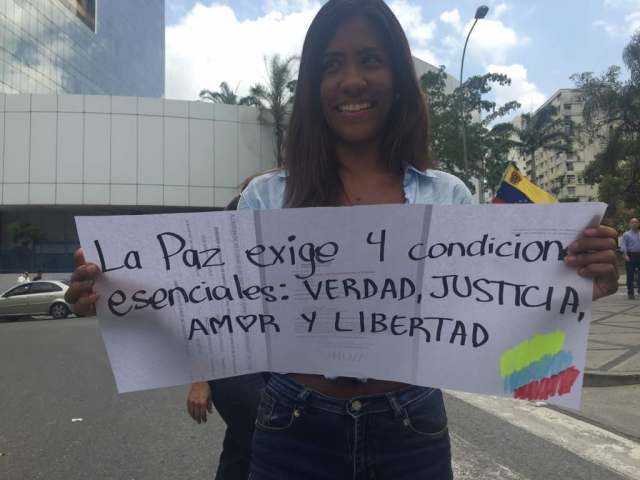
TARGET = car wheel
x,y
59,310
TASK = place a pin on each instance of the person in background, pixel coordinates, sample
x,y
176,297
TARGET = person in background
x,y
630,247
236,400
23,277
38,276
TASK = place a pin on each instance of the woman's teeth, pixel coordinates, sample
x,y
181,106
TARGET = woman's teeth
x,y
354,107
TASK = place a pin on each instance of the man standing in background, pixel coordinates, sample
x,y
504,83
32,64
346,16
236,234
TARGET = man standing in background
x,y
630,247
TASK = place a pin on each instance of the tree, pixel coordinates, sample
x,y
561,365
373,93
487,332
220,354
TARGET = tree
x,y
499,143
24,234
226,95
275,98
543,130
486,145
611,116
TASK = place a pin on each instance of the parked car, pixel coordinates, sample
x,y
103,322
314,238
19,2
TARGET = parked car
x,y
42,297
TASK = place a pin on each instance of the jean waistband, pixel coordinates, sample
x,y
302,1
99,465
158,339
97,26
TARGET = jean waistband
x,y
296,393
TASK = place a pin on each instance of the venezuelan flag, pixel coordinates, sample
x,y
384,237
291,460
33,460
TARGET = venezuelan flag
x,y
539,368
516,188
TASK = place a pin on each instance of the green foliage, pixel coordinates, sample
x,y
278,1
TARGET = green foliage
x,y
226,95
24,233
274,98
487,144
543,130
612,118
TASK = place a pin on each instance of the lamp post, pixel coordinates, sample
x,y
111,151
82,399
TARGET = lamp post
x,y
481,12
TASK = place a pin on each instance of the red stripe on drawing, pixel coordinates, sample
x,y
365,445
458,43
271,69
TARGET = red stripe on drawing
x,y
559,384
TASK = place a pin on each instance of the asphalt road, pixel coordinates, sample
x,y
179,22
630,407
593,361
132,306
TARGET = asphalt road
x,y
61,418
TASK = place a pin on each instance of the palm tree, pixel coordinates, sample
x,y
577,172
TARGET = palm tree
x,y
226,95
274,99
544,130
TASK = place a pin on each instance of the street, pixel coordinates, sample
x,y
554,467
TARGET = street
x,y
61,418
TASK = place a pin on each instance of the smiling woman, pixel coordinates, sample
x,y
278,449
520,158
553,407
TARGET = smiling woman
x,y
358,134
357,92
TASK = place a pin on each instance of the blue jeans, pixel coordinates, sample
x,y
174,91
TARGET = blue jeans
x,y
633,271
303,435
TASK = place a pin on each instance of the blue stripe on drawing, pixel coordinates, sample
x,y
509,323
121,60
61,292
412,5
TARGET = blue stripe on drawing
x,y
511,194
548,366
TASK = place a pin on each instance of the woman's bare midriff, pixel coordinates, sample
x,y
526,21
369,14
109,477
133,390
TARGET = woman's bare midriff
x,y
343,387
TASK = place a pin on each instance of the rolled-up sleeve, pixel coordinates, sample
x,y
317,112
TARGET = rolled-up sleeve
x,y
462,194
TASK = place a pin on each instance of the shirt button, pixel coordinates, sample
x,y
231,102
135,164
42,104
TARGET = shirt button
x,y
356,405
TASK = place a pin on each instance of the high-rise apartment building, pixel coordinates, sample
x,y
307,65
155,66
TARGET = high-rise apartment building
x,y
557,172
113,47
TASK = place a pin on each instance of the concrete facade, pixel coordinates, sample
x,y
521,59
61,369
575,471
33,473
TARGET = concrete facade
x,y
62,155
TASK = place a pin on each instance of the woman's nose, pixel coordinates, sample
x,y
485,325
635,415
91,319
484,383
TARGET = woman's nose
x,y
353,82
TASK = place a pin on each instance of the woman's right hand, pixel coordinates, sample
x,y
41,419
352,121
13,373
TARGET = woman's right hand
x,y
199,401
80,294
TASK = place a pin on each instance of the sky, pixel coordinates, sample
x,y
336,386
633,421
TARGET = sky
x,y
538,44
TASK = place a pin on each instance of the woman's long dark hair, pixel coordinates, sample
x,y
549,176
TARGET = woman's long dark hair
x,y
310,154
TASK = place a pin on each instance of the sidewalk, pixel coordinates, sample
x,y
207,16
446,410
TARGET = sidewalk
x,y
613,362
613,353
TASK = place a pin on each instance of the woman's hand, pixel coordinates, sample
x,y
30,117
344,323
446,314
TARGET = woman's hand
x,y
199,401
80,293
594,255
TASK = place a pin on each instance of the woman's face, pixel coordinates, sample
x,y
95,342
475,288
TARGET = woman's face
x,y
357,85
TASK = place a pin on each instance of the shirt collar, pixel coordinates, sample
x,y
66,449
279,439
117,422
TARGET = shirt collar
x,y
282,173
423,173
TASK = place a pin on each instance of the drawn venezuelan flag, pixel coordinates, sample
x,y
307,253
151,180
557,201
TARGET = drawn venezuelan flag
x,y
539,368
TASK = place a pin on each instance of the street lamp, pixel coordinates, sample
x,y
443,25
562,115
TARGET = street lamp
x,y
481,12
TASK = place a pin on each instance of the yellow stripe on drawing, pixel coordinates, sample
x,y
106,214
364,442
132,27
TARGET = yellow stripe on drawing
x,y
529,351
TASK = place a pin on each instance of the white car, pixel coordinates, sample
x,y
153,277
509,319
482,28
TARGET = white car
x,y
42,297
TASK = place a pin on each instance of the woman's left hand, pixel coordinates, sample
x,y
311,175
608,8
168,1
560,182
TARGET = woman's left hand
x,y
594,255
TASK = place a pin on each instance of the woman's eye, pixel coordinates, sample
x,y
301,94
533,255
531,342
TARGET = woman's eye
x,y
372,60
331,65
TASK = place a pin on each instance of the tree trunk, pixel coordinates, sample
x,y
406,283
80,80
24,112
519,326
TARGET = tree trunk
x,y
533,168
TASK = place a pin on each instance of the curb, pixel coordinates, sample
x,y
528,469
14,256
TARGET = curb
x,y
599,379
595,421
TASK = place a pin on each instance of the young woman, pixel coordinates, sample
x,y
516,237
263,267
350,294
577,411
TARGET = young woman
x,y
359,134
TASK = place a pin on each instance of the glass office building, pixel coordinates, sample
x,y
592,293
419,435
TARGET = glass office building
x,y
113,47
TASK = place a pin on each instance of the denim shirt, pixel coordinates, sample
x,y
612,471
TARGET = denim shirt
x,y
429,187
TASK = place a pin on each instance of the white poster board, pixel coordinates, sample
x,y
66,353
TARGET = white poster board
x,y
473,298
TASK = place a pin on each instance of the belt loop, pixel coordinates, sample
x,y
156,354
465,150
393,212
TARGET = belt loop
x,y
395,406
303,396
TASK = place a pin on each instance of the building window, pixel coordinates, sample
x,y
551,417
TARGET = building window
x,y
571,179
569,166
567,106
85,10
571,191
